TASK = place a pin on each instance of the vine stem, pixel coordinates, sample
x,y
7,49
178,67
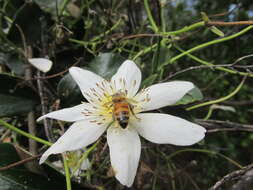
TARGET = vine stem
x,y
150,17
21,132
67,173
220,99
206,45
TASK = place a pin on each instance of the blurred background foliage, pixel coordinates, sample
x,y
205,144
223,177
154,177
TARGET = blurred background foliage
x,y
98,35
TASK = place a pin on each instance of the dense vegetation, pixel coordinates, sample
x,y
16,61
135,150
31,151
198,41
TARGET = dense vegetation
x,y
168,40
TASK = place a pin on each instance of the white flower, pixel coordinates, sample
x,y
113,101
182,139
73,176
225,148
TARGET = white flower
x,y
92,119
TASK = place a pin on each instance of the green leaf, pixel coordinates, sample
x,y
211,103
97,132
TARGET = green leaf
x,y
50,6
69,91
14,105
106,64
204,17
28,18
193,95
14,62
217,31
14,98
19,178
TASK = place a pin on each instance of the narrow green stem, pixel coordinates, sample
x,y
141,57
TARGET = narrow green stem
x,y
144,51
206,45
84,156
96,38
220,99
162,16
67,173
150,17
208,115
21,132
185,29
201,61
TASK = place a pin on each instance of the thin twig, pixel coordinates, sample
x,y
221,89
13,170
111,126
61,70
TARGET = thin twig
x,y
217,126
231,176
58,74
20,162
43,100
31,114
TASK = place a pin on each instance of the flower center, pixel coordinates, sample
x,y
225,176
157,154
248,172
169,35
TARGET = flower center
x,y
111,104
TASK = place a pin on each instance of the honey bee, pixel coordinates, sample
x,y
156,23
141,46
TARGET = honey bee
x,y
121,109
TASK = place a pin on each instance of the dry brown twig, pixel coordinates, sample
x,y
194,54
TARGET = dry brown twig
x,y
19,162
231,177
217,126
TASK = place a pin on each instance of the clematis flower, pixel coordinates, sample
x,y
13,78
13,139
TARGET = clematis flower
x,y
92,119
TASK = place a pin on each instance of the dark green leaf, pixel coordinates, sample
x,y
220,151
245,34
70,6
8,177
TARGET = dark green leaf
x,y
14,98
28,19
50,6
14,62
106,64
14,105
69,91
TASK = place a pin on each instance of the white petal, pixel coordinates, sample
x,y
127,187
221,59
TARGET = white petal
x,y
69,114
128,77
86,80
41,64
168,129
163,94
79,135
125,150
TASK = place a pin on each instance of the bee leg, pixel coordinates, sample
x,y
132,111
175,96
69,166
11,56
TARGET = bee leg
x,y
110,123
132,112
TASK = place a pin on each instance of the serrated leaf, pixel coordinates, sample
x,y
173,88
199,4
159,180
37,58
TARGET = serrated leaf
x,y
193,95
